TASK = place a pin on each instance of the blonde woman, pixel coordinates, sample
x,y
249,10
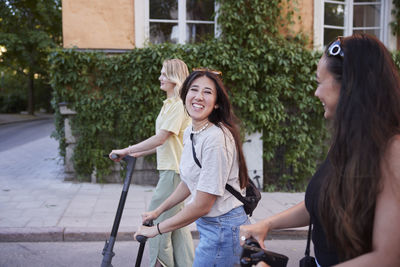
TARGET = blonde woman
x,y
174,248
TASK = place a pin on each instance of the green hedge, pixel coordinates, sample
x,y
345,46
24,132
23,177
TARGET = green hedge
x,y
271,81
117,99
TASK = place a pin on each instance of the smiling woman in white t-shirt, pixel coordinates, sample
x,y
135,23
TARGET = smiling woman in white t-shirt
x,y
216,143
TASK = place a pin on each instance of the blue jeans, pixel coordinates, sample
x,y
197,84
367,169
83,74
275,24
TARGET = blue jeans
x,y
219,239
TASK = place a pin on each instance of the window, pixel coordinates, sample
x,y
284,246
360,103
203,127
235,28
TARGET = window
x,y
343,18
180,21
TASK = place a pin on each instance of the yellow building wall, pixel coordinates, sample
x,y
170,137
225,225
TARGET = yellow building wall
x,y
98,24
303,19
110,24
306,23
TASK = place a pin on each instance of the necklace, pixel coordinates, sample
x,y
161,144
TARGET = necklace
x,y
202,129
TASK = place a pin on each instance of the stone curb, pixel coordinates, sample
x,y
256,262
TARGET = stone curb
x,y
24,120
72,234
16,118
35,234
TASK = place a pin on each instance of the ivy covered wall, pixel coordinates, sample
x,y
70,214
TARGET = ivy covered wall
x,y
271,82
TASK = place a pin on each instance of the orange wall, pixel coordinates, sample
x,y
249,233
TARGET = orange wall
x,y
110,24
98,24
306,22
306,12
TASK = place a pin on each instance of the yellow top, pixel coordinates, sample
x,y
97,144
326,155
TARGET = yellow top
x,y
172,118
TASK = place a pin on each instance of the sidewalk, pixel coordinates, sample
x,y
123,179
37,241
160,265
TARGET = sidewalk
x,y
13,118
36,204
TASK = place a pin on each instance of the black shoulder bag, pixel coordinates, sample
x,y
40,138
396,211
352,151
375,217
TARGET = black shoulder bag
x,y
307,260
253,195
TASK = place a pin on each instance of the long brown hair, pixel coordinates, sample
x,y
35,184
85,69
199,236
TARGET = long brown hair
x,y
367,116
223,114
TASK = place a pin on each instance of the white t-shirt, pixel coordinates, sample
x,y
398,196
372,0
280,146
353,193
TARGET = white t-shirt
x,y
216,151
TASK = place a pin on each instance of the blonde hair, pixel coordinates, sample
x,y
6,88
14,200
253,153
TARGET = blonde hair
x,y
176,72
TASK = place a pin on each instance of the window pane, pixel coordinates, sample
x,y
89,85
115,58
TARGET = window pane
x,y
199,9
366,1
366,16
334,14
375,32
331,34
198,32
163,32
163,9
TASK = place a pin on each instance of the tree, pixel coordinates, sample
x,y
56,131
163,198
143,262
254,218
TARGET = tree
x,y
28,28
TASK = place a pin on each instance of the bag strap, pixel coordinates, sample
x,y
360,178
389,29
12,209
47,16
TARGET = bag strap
x,y
235,193
307,253
227,186
194,152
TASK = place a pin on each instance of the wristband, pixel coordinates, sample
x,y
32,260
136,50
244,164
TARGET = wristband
x,y
158,228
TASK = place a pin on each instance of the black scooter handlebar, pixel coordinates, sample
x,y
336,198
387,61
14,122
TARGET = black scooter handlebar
x,y
252,254
141,238
113,156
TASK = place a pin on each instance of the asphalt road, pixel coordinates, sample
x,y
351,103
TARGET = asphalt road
x,y
87,254
16,134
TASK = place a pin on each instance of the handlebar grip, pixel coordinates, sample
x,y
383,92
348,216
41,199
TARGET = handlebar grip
x,y
148,223
142,238
114,156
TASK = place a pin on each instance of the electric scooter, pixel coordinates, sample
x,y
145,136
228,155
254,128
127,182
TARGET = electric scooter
x,y
109,245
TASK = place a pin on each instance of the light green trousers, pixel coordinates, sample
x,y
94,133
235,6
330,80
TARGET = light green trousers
x,y
174,248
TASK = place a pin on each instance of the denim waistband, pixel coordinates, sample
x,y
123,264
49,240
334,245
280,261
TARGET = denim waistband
x,y
234,213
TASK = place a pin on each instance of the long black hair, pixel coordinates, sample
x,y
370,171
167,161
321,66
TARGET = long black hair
x,y
367,116
222,115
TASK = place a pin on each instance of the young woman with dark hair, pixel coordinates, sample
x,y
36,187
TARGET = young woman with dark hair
x,y
214,137
353,200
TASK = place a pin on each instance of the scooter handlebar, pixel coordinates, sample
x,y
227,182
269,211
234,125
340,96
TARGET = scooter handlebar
x,y
114,156
142,238
252,254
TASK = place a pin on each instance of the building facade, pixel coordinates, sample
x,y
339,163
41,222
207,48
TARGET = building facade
x,y
126,24
121,25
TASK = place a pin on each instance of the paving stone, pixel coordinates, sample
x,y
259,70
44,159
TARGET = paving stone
x,y
73,221
30,204
36,204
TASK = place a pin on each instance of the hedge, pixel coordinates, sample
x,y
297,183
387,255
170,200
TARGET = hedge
x,y
271,81
117,99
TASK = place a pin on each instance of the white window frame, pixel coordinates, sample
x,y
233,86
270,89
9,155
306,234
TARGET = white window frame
x,y
142,22
386,17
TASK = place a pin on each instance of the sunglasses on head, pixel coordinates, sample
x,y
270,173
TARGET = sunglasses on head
x,y
216,72
335,48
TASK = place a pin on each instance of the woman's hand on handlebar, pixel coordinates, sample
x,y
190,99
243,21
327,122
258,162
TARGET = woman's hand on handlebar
x,y
146,231
149,216
258,231
120,152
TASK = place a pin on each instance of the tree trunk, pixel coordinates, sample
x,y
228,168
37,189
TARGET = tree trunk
x,y
31,95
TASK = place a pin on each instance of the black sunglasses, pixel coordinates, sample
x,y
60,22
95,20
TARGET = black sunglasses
x,y
335,49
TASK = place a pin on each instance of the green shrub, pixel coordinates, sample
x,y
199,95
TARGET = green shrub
x,y
12,103
271,82
13,92
117,99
